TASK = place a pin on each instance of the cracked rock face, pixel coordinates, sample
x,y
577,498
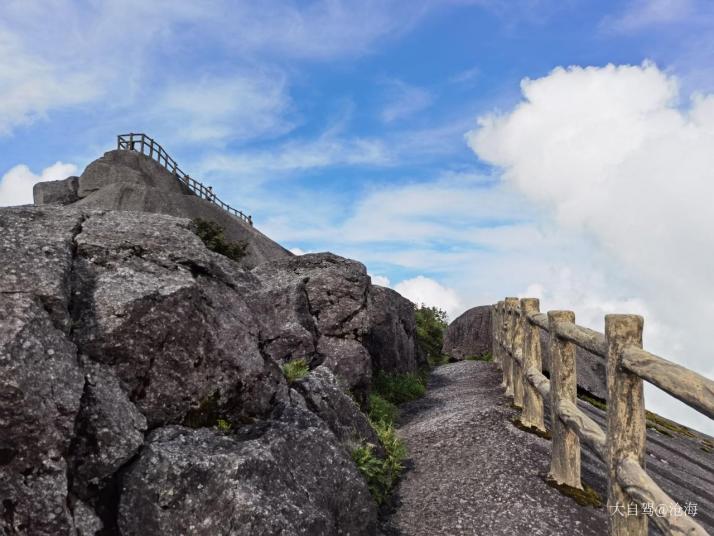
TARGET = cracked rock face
x,y
118,326
286,476
469,334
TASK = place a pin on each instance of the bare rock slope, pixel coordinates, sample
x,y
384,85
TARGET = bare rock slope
x,y
124,342
127,180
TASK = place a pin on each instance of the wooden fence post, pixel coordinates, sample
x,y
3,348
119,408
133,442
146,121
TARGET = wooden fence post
x,y
533,403
494,333
565,456
509,305
518,377
625,420
501,341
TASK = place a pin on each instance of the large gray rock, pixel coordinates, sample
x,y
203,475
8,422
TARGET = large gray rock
x,y
326,397
391,336
319,311
143,280
469,334
62,192
127,180
287,476
120,322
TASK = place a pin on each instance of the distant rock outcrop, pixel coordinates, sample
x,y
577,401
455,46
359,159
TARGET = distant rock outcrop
x,y
469,334
128,180
124,339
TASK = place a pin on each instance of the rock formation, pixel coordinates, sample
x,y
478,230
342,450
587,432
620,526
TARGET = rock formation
x,y
469,335
127,180
140,381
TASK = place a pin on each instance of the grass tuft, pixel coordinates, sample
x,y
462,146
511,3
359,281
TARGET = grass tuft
x,y
487,357
399,388
295,370
584,497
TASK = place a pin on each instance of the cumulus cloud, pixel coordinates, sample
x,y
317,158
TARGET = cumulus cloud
x,y
16,185
427,291
615,156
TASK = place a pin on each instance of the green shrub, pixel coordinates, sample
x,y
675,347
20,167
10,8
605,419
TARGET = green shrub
x,y
213,236
431,323
381,410
399,388
381,474
295,370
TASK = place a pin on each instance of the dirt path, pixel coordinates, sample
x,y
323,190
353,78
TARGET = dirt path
x,y
471,472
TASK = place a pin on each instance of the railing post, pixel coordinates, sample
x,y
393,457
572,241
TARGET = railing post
x,y
142,144
626,431
533,403
508,307
499,342
518,379
565,456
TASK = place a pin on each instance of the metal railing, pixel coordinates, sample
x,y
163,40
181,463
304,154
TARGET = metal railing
x,y
517,350
146,145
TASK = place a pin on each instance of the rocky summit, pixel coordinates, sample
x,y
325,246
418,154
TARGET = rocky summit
x,y
141,390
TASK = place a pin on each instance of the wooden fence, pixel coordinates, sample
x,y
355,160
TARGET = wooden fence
x,y
516,349
147,146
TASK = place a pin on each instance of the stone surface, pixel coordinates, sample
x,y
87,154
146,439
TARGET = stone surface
x,y
115,323
60,192
288,476
144,280
469,334
127,180
40,391
391,335
109,430
325,397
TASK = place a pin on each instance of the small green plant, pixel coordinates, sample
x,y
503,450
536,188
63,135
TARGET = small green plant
x,y
381,474
224,425
486,356
295,370
399,388
213,235
381,411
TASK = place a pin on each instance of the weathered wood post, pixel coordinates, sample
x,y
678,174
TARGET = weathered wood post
x,y
494,333
533,403
565,456
518,379
501,341
626,432
509,305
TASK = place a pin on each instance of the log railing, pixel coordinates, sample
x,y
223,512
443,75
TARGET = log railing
x,y
516,348
148,146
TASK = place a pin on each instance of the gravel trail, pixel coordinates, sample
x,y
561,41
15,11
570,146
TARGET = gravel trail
x,y
472,472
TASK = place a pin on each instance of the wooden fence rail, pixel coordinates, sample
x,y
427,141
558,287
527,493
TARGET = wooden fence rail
x,y
148,146
516,328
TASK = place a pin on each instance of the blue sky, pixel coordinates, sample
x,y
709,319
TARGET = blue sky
x,y
407,135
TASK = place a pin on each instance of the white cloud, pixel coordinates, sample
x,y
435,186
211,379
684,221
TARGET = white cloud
x,y
297,251
614,157
239,107
31,86
380,280
16,185
640,14
404,100
426,291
